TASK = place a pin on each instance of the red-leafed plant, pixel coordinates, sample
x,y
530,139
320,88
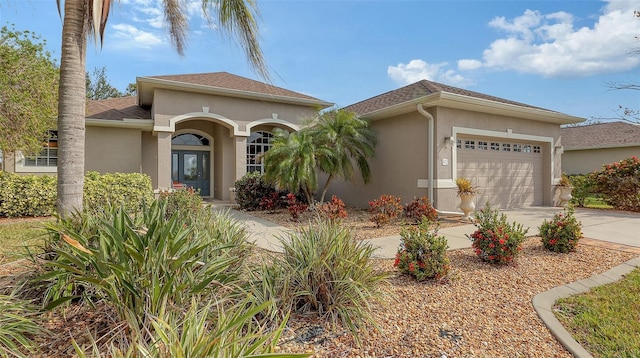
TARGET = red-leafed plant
x,y
420,208
384,209
333,210
295,206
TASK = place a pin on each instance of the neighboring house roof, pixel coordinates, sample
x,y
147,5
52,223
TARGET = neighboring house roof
x,y
223,83
117,109
601,135
428,93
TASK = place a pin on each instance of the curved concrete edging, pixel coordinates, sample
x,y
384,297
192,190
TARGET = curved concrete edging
x,y
543,303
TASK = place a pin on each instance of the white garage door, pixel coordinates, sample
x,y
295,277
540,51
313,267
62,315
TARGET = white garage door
x,y
508,174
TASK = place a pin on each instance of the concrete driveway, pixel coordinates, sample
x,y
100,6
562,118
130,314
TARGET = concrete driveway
x,y
603,225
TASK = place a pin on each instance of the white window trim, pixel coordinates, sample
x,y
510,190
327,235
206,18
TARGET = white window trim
x,y
21,168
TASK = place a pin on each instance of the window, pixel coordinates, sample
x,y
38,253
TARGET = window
x,y
483,146
190,139
469,144
517,147
536,149
258,143
506,147
48,156
526,149
458,143
495,146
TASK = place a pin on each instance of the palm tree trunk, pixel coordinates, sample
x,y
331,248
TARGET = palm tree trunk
x,y
71,108
326,186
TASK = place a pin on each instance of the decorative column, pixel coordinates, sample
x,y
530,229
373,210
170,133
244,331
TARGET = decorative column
x,y
164,160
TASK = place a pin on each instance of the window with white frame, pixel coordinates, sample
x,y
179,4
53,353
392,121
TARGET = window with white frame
x,y
469,144
483,145
48,156
506,147
517,147
258,143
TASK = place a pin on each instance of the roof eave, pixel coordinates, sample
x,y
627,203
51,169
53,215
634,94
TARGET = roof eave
x,y
603,146
145,93
132,123
452,100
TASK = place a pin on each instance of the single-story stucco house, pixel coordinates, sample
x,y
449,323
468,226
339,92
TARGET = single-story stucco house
x,y
587,148
206,130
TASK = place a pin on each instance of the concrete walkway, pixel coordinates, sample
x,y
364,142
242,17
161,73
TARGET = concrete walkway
x,y
620,231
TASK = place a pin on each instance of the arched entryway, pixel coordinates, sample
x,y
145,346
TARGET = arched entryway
x,y
191,161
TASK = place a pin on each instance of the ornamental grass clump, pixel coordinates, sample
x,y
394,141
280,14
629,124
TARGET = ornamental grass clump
x,y
562,233
330,274
422,254
496,241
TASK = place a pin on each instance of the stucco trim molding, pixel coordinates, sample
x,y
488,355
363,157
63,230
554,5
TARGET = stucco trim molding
x,y
272,121
439,183
216,117
508,134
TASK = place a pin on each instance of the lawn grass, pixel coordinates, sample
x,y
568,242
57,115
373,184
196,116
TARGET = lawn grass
x,y
605,320
595,202
16,237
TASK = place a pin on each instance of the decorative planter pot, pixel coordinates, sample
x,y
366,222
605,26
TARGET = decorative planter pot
x,y
565,194
466,204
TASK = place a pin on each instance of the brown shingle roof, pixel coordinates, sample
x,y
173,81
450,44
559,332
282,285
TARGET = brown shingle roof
x,y
117,109
417,90
229,81
613,134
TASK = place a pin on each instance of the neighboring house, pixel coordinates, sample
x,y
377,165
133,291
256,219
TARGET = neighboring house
x,y
202,130
587,148
430,134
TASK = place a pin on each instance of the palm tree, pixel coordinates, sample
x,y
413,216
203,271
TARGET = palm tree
x,y
88,18
291,162
350,140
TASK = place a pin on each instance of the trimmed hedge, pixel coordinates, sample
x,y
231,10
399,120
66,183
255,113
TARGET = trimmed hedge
x,y
27,195
619,184
35,195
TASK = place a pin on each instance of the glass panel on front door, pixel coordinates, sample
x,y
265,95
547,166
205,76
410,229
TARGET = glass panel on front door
x,y
192,169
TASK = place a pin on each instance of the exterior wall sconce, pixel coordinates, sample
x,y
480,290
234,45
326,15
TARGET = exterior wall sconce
x,y
559,149
448,140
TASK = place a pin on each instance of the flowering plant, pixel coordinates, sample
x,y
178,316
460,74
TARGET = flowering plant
x,y
562,233
496,241
422,254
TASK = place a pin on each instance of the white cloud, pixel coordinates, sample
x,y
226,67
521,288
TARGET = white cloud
x,y
550,45
417,70
128,36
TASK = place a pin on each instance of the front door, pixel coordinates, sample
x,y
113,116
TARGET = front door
x,y
191,168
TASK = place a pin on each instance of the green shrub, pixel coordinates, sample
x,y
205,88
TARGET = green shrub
x,y
619,184
35,195
384,209
582,188
422,254
186,200
496,241
142,266
420,208
562,233
131,190
329,273
251,189
27,195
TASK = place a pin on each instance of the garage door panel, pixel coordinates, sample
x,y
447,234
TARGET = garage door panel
x,y
506,179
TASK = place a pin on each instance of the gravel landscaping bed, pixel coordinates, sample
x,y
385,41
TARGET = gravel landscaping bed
x,y
481,311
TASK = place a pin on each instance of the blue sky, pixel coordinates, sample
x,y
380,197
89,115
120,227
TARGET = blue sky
x,y
554,54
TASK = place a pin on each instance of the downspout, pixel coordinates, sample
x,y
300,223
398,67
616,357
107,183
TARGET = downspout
x,y
430,151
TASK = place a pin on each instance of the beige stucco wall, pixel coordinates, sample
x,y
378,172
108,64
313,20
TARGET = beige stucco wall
x,y
110,150
401,164
589,160
150,157
401,159
169,104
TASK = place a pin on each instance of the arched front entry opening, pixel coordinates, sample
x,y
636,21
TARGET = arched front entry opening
x,y
191,161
